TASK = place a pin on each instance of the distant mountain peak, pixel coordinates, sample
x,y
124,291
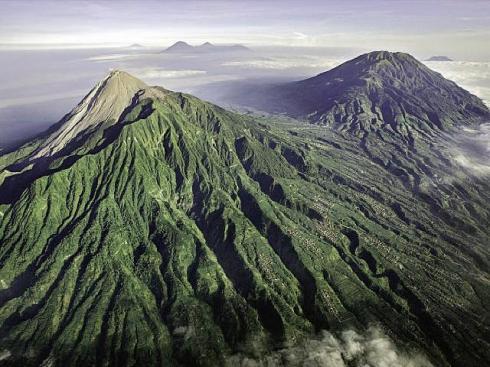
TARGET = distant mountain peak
x,y
181,43
179,46
439,58
136,46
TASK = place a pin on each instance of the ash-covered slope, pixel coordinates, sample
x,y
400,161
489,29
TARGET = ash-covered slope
x,y
376,91
99,109
177,233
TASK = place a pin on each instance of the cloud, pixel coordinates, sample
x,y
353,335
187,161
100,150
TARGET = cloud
x,y
47,97
113,57
373,348
471,75
4,354
284,63
472,149
149,73
300,36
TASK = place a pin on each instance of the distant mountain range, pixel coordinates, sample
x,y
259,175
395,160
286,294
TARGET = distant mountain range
x,y
207,47
151,228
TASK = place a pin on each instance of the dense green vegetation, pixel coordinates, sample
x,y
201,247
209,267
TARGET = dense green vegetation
x,y
185,233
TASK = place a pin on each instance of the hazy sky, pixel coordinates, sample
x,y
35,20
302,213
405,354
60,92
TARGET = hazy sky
x,y
458,28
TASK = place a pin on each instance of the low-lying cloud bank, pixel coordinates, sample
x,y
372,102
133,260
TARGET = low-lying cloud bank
x,y
471,75
373,348
285,63
160,73
472,149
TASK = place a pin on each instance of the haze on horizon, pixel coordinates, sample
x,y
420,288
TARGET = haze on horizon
x,y
422,27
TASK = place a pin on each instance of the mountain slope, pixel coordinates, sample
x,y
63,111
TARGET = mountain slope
x,y
99,109
177,220
391,92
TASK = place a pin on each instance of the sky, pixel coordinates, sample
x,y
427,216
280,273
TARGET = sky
x,y
458,28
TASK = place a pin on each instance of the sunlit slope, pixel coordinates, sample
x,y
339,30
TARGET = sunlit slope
x,y
181,233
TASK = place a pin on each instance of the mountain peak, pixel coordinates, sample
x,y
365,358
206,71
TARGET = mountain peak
x,y
180,43
383,60
386,55
392,89
123,77
379,56
102,106
379,90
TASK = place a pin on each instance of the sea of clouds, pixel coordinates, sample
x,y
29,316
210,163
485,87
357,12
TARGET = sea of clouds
x,y
471,75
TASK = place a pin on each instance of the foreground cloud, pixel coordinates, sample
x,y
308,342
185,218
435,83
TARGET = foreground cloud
x,y
372,348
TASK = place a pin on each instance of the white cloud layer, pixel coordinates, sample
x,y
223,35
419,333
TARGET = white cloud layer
x,y
372,348
473,76
284,63
112,57
472,150
150,73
